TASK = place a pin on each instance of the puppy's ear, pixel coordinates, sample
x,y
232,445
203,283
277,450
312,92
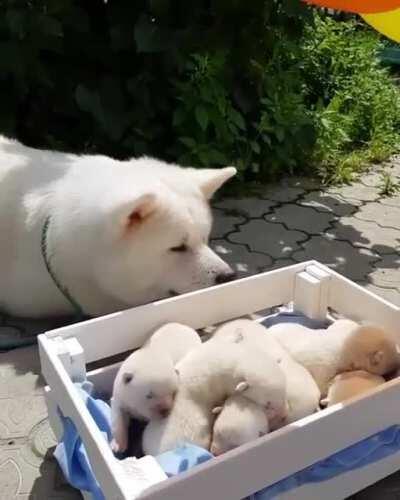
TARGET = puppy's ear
x,y
211,179
133,213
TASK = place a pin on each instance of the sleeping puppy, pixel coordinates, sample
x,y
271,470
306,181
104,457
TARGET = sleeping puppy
x,y
347,385
208,376
302,392
344,346
238,421
146,382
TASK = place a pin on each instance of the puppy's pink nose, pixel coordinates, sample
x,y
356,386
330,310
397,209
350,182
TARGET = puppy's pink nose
x,y
164,405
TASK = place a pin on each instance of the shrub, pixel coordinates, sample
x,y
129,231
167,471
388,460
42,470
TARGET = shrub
x,y
257,84
357,105
111,77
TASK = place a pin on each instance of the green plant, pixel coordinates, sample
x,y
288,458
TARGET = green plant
x,y
263,85
110,76
357,104
210,129
389,186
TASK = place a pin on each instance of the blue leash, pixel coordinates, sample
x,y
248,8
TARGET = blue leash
x,y
47,260
21,338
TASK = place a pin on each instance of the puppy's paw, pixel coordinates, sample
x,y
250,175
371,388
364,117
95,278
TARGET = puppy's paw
x,y
118,447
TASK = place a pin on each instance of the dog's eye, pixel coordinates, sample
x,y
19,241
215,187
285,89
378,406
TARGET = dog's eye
x,y
180,248
149,395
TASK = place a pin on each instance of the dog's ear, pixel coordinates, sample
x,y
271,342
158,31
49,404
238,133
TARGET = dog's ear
x,y
211,179
134,212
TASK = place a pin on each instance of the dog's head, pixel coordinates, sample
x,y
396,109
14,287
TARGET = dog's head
x,y
157,232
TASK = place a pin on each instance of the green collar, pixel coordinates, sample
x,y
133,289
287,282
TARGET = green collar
x,y
47,258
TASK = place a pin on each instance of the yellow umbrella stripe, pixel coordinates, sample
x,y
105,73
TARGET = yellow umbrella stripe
x,y
387,23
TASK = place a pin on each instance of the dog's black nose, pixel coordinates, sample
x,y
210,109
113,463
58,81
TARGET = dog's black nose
x,y
225,277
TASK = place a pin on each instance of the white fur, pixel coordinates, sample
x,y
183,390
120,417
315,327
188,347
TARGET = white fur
x,y
303,395
176,340
217,369
341,348
152,368
113,224
208,375
149,393
188,422
341,325
239,421
347,385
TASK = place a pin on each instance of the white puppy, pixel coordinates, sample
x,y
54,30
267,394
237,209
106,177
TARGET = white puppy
x,y
347,385
302,392
218,369
239,421
208,375
147,381
144,387
176,340
343,347
95,235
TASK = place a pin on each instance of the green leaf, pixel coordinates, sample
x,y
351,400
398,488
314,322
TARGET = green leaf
x,y
237,119
90,102
16,21
121,39
201,116
49,25
255,147
325,123
11,58
178,118
217,157
112,101
149,37
188,141
266,139
76,19
280,134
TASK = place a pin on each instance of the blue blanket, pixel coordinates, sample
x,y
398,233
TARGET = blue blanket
x,y
72,457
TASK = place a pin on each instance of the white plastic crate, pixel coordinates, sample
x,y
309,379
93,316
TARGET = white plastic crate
x,y
314,290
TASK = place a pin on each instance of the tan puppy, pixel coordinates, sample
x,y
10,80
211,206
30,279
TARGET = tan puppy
x,y
350,384
344,346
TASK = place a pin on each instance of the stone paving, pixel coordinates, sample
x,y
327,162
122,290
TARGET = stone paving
x,y
353,229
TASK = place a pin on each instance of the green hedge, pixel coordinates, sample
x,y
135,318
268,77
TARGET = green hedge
x,y
204,82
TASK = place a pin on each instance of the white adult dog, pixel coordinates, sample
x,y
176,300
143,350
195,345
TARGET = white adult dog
x,y
94,235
